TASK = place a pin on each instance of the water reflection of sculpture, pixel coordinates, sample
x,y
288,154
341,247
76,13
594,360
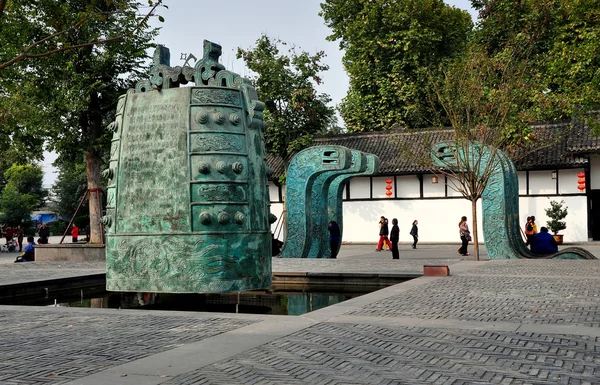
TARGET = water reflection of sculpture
x,y
500,202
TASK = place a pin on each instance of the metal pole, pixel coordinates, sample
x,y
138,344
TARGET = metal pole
x,y
74,215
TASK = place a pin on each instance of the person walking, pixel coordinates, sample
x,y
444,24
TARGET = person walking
x,y
20,233
414,231
383,234
465,236
335,238
75,233
395,238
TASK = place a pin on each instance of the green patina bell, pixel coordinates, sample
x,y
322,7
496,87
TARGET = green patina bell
x,y
187,198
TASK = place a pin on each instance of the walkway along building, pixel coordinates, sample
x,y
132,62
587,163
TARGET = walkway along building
x,y
551,173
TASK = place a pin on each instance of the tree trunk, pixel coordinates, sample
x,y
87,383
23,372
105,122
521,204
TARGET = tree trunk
x,y
475,237
92,164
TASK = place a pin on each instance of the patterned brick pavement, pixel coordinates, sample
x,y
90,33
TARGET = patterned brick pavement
x,y
366,354
26,272
497,298
54,347
564,268
369,340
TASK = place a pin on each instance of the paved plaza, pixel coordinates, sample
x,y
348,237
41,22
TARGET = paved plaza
x,y
490,322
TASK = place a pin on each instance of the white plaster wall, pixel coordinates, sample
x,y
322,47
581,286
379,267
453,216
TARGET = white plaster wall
x,y
433,190
438,219
577,218
541,182
379,185
408,186
522,175
277,209
360,188
567,181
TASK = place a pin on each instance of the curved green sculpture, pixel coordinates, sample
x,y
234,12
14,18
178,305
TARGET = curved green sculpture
x,y
187,198
500,202
303,197
314,188
362,164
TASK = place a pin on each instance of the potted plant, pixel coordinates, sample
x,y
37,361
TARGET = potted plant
x,y
557,213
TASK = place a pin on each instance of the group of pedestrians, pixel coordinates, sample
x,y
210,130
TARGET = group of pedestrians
x,y
11,235
540,242
394,236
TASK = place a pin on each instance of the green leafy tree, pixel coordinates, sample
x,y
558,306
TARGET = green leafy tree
x,y
31,42
391,50
27,179
70,95
68,190
22,194
564,48
286,83
489,102
15,207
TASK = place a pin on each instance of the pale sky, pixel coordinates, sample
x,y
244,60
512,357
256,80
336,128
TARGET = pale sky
x,y
239,23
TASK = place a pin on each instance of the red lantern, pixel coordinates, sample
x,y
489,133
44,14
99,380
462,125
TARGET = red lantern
x,y
389,188
581,181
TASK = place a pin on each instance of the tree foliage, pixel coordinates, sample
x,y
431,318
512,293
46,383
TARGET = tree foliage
x,y
68,190
564,41
286,83
70,97
490,102
22,194
392,47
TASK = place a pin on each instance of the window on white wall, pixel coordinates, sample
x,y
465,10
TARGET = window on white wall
x,y
567,181
360,188
379,184
433,190
409,186
452,186
541,182
522,175
273,192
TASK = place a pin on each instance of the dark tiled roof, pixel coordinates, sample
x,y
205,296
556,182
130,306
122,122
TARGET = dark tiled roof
x,y
563,146
583,140
551,148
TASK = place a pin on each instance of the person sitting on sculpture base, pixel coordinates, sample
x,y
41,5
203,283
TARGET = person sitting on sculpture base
x,y
544,243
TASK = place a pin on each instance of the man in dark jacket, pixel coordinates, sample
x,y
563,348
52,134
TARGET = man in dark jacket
x,y
44,234
544,243
395,238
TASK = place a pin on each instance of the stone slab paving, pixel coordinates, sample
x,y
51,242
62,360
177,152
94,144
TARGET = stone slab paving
x,y
497,322
58,345
12,273
331,353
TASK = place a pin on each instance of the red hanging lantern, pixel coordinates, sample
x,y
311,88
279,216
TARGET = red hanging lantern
x,y
581,181
388,188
